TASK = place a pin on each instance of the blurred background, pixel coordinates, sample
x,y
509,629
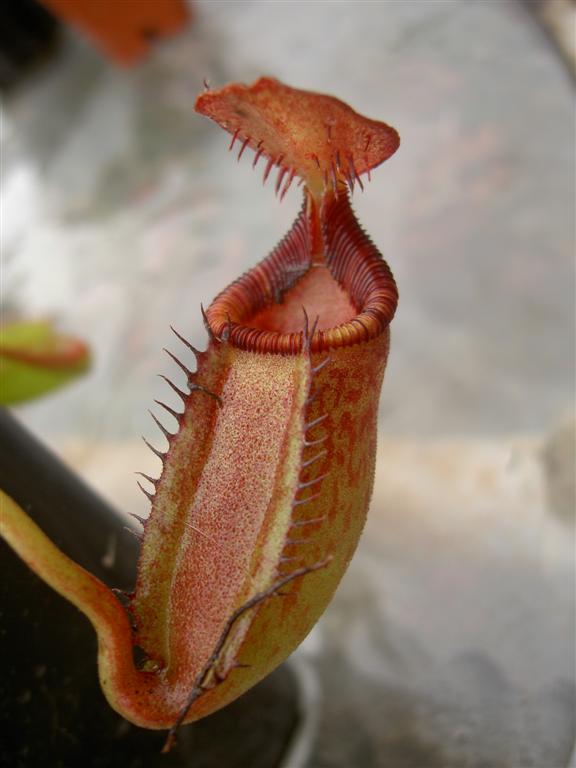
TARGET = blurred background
x,y
451,640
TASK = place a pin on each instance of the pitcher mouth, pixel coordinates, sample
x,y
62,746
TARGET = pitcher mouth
x,y
341,280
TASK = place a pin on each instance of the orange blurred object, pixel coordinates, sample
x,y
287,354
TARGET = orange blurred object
x,y
123,29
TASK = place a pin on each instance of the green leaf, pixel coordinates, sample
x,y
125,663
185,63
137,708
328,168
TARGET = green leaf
x,y
35,359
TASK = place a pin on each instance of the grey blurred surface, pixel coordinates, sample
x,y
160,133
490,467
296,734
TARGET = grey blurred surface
x,y
122,211
451,642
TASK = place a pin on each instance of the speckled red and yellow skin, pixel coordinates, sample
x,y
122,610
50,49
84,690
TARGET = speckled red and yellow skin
x,y
265,486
